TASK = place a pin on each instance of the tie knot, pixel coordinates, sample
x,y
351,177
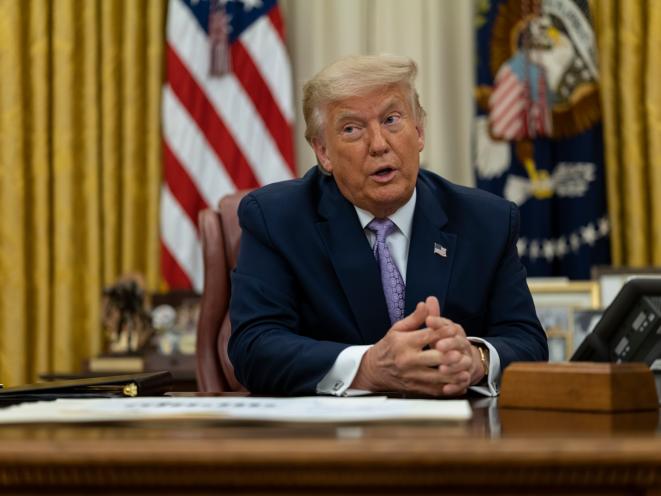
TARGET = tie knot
x,y
381,227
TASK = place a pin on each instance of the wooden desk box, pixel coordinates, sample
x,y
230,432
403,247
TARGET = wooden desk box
x,y
579,386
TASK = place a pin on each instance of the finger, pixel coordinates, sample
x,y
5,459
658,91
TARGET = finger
x,y
448,328
430,358
460,379
436,321
424,337
412,360
439,321
430,382
461,364
452,357
454,389
433,307
413,321
423,377
446,344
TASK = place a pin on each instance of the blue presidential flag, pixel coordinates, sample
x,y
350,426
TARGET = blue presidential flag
x,y
538,136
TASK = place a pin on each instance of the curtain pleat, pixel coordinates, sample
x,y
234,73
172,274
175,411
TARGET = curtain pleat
x,y
154,25
630,94
79,171
14,61
111,145
39,272
605,17
75,187
629,39
652,80
133,120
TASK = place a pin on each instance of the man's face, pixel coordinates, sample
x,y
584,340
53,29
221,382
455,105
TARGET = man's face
x,y
371,144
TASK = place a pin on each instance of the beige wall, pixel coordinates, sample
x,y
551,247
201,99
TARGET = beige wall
x,y
435,33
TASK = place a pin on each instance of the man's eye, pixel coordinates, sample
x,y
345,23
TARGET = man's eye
x,y
391,119
349,129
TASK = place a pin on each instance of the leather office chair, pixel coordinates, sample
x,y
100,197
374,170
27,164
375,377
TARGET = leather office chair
x,y
220,235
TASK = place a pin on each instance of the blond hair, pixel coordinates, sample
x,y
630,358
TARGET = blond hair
x,y
354,76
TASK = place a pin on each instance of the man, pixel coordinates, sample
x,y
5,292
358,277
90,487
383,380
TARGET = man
x,y
368,272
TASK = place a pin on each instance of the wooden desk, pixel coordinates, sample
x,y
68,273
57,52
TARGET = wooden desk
x,y
496,453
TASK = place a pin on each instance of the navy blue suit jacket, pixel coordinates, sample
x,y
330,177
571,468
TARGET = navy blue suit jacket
x,y
307,285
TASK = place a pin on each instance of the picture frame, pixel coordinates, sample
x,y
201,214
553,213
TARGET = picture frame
x,y
558,302
557,323
611,279
558,345
563,292
176,326
584,321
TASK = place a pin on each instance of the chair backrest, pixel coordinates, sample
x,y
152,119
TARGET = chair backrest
x,y
220,236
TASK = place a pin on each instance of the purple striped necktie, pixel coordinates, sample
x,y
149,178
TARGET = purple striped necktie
x,y
391,279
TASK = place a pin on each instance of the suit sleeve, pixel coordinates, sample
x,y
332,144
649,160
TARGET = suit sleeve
x,y
514,330
269,354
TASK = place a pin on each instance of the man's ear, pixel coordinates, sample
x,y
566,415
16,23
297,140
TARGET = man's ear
x,y
322,156
421,136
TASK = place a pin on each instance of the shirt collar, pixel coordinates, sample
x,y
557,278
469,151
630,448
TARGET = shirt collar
x,y
403,217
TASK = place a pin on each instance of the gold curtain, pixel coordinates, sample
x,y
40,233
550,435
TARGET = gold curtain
x,y
629,41
80,171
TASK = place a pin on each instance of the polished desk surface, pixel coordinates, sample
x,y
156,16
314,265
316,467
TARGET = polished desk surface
x,y
497,452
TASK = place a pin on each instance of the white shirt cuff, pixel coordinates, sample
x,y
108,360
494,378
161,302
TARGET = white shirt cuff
x,y
344,370
493,382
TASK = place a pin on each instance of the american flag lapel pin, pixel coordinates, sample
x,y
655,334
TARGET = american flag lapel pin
x,y
440,250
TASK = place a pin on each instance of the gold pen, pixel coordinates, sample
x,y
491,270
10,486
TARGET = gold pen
x,y
130,389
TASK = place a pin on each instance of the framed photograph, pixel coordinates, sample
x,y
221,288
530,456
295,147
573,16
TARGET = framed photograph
x,y
558,302
611,279
557,322
558,347
563,292
174,318
584,322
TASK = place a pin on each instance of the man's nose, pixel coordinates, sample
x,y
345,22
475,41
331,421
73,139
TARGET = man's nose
x,y
378,144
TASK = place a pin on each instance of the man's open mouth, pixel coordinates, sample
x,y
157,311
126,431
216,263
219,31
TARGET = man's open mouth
x,y
384,171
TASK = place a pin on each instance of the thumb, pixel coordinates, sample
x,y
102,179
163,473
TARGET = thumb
x,y
414,320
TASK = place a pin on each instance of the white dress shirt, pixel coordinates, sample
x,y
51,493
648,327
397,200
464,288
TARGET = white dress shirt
x,y
341,375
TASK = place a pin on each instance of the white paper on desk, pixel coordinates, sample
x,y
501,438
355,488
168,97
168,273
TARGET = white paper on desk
x,y
306,409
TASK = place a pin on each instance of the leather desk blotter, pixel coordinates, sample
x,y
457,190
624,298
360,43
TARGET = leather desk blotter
x,y
579,386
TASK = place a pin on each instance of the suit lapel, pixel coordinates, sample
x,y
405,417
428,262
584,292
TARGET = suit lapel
x,y
353,262
428,273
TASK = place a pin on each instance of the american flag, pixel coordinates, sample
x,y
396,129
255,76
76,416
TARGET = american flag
x,y
227,117
517,106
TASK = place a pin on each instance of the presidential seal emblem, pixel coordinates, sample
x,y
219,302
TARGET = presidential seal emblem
x,y
545,85
537,133
544,70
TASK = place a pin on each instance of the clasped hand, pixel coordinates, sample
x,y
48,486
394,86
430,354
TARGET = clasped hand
x,y
437,360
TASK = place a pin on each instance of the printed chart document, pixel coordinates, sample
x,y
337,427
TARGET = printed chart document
x,y
305,409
